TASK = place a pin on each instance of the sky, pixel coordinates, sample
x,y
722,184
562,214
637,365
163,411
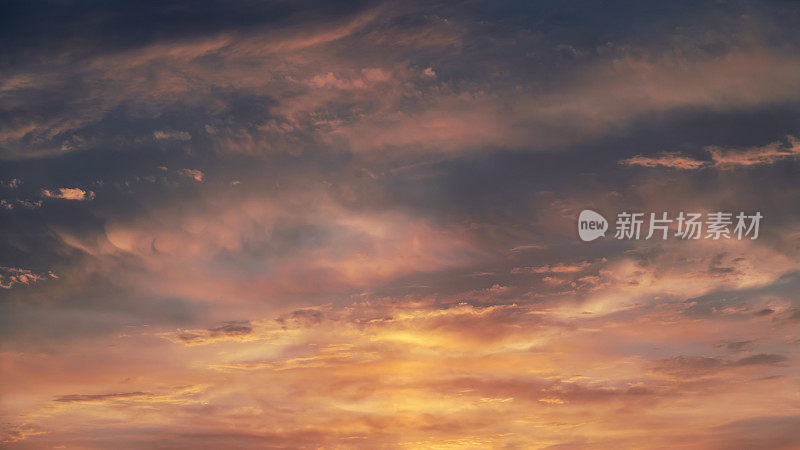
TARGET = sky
x,y
307,224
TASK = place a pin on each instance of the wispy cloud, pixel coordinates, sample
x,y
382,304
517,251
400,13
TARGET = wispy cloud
x,y
177,135
68,194
195,174
723,158
11,276
670,160
767,154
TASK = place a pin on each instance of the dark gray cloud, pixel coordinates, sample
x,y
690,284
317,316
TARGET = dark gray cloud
x,y
98,397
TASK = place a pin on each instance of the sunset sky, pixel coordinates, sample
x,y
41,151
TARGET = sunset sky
x,y
309,224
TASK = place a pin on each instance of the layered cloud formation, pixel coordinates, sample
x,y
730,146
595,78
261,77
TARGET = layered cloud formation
x,y
318,224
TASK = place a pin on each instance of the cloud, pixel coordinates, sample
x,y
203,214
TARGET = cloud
x,y
767,154
16,433
737,346
372,366
670,160
555,268
761,359
769,431
372,244
11,276
723,158
699,366
194,174
176,135
327,89
68,194
86,398
231,330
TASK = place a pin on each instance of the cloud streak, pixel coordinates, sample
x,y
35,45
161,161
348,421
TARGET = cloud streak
x,y
723,158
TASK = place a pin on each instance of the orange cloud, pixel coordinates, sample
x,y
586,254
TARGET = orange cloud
x,y
68,194
392,372
11,276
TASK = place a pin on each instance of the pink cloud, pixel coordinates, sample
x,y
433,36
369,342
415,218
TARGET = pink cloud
x,y
671,160
767,154
723,158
